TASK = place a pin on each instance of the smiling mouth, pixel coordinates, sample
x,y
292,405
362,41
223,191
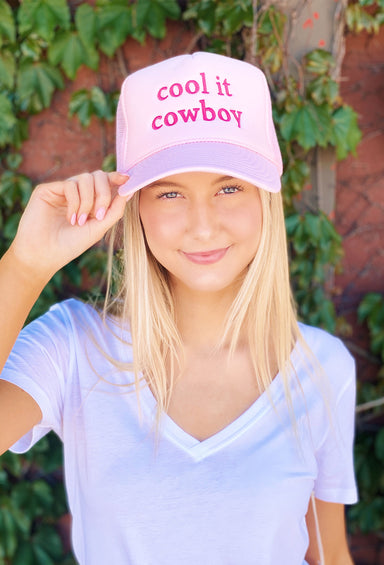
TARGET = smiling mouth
x,y
206,257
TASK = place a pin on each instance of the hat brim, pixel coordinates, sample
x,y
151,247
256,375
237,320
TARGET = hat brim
x,y
205,156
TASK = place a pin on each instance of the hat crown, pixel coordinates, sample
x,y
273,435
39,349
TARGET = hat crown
x,y
200,98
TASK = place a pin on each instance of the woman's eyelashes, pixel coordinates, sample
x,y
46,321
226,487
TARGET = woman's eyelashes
x,y
168,195
172,194
230,189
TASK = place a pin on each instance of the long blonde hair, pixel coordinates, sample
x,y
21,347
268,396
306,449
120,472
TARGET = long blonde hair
x,y
263,306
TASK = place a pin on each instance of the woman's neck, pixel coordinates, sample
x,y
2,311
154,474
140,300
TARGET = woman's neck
x,y
201,317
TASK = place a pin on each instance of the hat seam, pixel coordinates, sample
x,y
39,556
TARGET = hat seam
x,y
196,141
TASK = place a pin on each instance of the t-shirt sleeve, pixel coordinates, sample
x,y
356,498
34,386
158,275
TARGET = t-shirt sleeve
x,y
336,479
38,363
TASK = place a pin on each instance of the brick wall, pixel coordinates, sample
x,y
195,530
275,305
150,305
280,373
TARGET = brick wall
x,y
360,185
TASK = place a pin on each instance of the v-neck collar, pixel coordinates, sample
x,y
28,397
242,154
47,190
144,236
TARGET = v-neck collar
x,y
201,449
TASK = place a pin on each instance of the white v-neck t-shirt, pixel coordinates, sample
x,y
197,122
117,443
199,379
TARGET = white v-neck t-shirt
x,y
237,498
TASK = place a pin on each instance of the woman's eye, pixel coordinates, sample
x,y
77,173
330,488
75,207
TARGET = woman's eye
x,y
229,189
168,195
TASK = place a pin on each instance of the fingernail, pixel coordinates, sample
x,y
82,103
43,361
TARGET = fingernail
x,y
73,219
82,219
100,214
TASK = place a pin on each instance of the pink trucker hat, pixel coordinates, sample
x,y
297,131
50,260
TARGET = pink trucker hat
x,y
199,112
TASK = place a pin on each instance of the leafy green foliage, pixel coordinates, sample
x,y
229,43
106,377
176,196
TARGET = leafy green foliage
x,y
318,118
36,84
29,504
307,124
43,17
114,24
223,17
315,247
368,514
346,132
151,15
7,23
7,120
371,310
87,103
70,52
7,70
365,15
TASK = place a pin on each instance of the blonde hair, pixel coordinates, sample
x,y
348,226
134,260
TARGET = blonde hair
x,y
263,306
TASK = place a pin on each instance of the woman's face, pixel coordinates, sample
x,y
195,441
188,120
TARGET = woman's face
x,y
204,228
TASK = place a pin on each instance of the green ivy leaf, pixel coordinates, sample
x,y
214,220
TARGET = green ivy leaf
x,y
86,103
323,89
24,555
33,48
319,62
10,533
272,22
295,175
15,187
19,133
358,19
42,557
114,24
234,16
86,25
312,224
291,223
70,53
347,134
11,226
204,15
300,239
48,539
307,124
7,120
272,58
36,83
371,303
7,69
7,23
150,15
43,17
327,315
13,160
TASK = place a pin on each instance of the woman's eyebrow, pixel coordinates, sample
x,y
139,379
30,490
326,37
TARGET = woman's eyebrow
x,y
222,179
163,183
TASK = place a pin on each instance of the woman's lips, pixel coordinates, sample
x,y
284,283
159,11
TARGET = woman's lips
x,y
206,257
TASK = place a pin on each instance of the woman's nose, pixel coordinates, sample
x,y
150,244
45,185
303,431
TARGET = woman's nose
x,y
203,220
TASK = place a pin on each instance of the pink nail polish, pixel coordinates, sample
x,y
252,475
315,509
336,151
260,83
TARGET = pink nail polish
x,y
100,214
82,219
73,219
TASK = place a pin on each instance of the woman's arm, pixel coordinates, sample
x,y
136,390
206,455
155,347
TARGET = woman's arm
x,y
61,221
331,523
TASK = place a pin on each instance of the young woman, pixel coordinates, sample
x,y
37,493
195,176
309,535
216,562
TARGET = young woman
x,y
200,422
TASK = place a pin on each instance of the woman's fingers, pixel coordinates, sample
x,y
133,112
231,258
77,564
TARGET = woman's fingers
x,y
103,193
90,195
72,197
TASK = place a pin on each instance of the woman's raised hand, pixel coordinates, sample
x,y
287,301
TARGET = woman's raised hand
x,y
63,219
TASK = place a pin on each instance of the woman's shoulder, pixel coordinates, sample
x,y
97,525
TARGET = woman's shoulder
x,y
74,316
67,313
330,351
321,341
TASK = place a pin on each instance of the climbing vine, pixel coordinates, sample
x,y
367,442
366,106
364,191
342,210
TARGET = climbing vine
x,y
43,44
